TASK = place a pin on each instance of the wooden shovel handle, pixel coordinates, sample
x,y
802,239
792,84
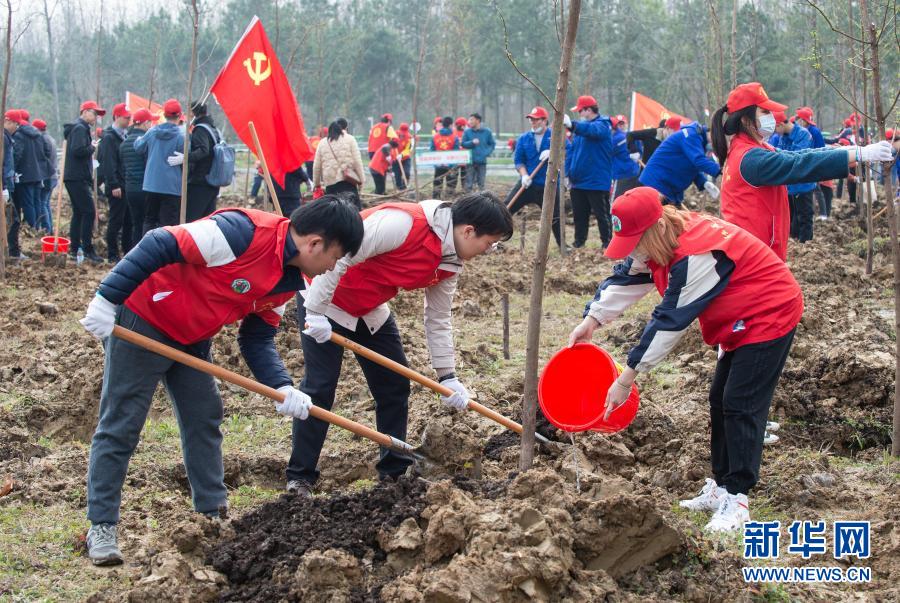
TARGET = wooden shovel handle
x,y
423,380
254,386
522,188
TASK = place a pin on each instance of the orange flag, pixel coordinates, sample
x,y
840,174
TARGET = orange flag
x,y
134,102
647,113
252,86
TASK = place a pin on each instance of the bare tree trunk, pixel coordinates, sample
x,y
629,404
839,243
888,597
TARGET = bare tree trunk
x,y
881,118
54,83
864,169
415,103
717,33
195,27
734,12
154,66
535,309
3,249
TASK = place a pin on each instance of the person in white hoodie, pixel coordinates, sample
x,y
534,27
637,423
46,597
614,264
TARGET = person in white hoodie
x,y
405,245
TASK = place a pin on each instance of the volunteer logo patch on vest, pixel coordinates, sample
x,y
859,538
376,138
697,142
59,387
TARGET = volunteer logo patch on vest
x,y
240,285
616,223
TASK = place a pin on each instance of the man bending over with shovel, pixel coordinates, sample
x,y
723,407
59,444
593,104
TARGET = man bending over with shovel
x,y
409,246
180,285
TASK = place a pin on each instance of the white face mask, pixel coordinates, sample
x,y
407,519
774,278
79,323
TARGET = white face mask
x,y
538,130
766,124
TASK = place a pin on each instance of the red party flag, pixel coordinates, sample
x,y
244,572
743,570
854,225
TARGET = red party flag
x,y
647,113
252,86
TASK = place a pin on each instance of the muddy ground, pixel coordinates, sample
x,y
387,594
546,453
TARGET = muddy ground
x,y
488,535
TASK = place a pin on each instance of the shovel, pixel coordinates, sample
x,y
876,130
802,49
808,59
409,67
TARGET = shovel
x,y
429,383
57,258
522,188
359,429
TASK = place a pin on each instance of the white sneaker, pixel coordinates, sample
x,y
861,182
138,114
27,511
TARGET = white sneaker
x,y
772,426
733,511
770,438
708,499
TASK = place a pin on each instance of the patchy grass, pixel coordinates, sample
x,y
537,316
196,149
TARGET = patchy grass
x,y
247,496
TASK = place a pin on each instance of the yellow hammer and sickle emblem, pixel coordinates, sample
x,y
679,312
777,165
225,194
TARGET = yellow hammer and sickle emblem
x,y
256,74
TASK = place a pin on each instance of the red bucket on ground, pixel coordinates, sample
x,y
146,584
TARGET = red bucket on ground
x,y
62,244
573,387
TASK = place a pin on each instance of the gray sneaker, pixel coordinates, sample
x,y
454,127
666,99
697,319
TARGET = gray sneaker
x,y
299,487
103,547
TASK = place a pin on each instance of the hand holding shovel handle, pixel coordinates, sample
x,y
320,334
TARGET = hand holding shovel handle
x,y
522,188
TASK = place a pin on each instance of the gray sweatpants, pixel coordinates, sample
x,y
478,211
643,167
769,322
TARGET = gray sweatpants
x,y
130,377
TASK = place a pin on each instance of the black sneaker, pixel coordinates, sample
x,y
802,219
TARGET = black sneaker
x,y
92,256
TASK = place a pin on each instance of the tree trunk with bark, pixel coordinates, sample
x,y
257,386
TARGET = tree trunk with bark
x,y
195,30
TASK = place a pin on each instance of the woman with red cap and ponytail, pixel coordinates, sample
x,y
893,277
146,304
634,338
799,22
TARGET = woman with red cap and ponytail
x,y
747,303
755,175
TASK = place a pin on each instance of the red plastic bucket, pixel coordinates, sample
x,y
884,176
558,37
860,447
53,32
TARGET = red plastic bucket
x,y
573,387
47,244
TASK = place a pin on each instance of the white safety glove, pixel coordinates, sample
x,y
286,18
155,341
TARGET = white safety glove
x,y
568,183
100,317
176,159
318,327
5,195
634,156
296,404
871,153
545,155
711,189
567,121
460,397
526,180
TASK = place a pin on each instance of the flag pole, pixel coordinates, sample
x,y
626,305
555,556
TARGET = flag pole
x,y
265,167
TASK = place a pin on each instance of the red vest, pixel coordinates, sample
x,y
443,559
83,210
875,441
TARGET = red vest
x,y
413,265
762,211
761,301
378,136
405,140
443,142
190,302
380,163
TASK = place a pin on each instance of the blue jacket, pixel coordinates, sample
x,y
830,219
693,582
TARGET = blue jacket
x,y
159,143
798,140
775,140
680,160
485,146
589,160
9,163
527,155
623,166
818,141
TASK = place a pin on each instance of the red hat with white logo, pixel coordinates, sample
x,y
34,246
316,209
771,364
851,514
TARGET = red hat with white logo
x,y
584,102
142,116
121,110
40,124
806,114
92,106
748,95
538,113
632,214
617,119
172,108
673,123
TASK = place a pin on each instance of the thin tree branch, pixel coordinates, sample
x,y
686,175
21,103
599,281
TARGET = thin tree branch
x,y
831,25
512,61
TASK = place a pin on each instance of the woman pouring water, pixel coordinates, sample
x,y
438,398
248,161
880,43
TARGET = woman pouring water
x,y
748,304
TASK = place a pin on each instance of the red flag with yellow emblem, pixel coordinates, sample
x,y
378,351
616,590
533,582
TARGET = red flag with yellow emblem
x,y
252,86
647,113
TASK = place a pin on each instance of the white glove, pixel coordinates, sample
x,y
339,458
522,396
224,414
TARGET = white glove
x,y
176,159
568,183
567,121
545,154
460,397
879,151
711,189
317,327
16,177
296,404
100,317
526,180
5,195
634,156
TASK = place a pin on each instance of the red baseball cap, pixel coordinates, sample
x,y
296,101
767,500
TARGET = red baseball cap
x,y
141,116
404,126
847,123
15,115
617,119
538,113
749,94
584,102
388,116
438,118
889,134
92,106
632,214
780,116
40,124
673,123
25,115
806,114
461,121
121,110
793,118
172,108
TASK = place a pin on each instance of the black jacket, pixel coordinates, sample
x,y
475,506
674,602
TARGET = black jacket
x,y
292,182
200,157
132,162
111,170
79,151
32,155
647,138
